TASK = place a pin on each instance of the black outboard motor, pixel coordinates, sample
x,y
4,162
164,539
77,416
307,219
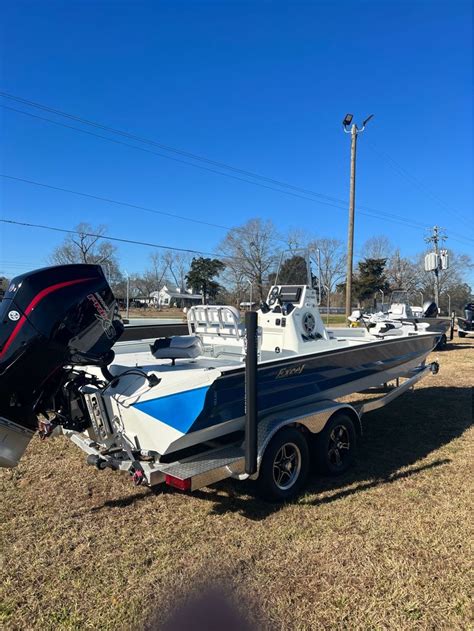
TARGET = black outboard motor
x,y
469,312
466,324
50,320
430,309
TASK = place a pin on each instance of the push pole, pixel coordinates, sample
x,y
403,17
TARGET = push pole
x,y
251,411
128,296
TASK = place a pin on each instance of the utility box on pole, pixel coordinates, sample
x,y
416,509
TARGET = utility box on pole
x,y
444,259
431,262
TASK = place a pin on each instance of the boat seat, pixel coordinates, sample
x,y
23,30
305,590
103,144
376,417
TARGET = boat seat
x,y
397,309
176,347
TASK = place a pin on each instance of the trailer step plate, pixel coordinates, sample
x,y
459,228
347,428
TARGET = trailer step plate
x,y
209,467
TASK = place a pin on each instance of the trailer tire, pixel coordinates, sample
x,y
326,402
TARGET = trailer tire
x,y
335,447
284,467
461,334
443,340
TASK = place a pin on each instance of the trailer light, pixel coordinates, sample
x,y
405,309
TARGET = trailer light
x,y
177,483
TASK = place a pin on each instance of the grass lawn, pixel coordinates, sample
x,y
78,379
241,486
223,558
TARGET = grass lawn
x,y
383,547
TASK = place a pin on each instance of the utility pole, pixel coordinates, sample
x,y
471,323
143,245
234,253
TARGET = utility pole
x,y
435,238
354,131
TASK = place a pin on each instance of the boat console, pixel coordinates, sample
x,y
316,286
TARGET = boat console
x,y
290,319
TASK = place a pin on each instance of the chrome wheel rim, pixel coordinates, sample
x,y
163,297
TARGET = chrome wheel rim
x,y
339,446
286,466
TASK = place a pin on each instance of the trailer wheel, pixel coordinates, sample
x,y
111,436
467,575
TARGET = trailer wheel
x,y
461,334
284,467
335,446
443,340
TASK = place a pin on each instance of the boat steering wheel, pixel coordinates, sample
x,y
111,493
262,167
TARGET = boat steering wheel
x,y
273,296
309,323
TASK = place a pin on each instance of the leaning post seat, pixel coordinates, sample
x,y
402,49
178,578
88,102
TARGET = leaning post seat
x,y
176,347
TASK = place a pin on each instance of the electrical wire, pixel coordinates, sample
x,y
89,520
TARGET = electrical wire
x,y
108,238
169,148
114,201
418,184
408,223
326,200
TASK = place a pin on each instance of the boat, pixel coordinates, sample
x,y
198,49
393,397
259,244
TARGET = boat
x,y
466,324
401,311
62,365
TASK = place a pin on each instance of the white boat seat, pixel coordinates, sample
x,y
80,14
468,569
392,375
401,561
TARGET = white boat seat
x,y
176,347
397,309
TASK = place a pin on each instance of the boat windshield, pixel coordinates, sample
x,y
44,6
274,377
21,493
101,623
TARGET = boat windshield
x,y
296,267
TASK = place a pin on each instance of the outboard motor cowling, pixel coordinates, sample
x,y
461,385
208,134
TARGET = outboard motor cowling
x,y
49,318
469,312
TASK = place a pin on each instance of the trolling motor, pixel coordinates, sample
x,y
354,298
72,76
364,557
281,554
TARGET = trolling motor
x,y
51,320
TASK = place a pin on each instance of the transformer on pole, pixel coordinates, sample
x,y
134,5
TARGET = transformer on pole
x,y
437,260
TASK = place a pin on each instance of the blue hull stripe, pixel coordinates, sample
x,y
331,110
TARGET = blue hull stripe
x,y
179,410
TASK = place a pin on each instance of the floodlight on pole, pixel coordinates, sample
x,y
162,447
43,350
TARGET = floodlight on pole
x,y
354,131
347,120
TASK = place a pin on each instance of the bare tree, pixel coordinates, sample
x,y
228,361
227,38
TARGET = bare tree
x,y
378,247
333,261
248,252
178,265
402,273
159,270
88,245
297,239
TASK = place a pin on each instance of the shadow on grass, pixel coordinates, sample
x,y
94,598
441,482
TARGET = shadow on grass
x,y
395,437
454,346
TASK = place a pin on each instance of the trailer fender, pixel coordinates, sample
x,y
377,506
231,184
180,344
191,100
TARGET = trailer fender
x,y
312,420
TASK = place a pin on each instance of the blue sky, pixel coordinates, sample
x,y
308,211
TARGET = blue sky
x,y
262,86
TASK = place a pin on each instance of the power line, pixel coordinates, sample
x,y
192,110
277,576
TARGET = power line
x,y
415,225
327,200
375,213
148,141
106,237
162,155
113,201
418,184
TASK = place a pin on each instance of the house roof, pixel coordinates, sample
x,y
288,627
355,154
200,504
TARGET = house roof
x,y
175,293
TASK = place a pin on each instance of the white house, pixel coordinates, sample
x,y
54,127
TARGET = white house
x,y
175,297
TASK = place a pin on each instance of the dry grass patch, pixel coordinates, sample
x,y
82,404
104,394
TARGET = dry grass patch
x,y
384,547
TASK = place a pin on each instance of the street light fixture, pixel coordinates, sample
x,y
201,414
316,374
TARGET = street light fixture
x,y
347,120
354,131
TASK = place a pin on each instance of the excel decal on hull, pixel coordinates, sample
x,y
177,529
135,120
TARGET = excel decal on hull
x,y
290,372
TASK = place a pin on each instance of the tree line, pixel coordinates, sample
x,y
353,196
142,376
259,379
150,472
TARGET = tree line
x,y
247,259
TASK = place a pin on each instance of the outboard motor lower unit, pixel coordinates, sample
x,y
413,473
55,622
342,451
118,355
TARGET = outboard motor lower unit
x,y
50,320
